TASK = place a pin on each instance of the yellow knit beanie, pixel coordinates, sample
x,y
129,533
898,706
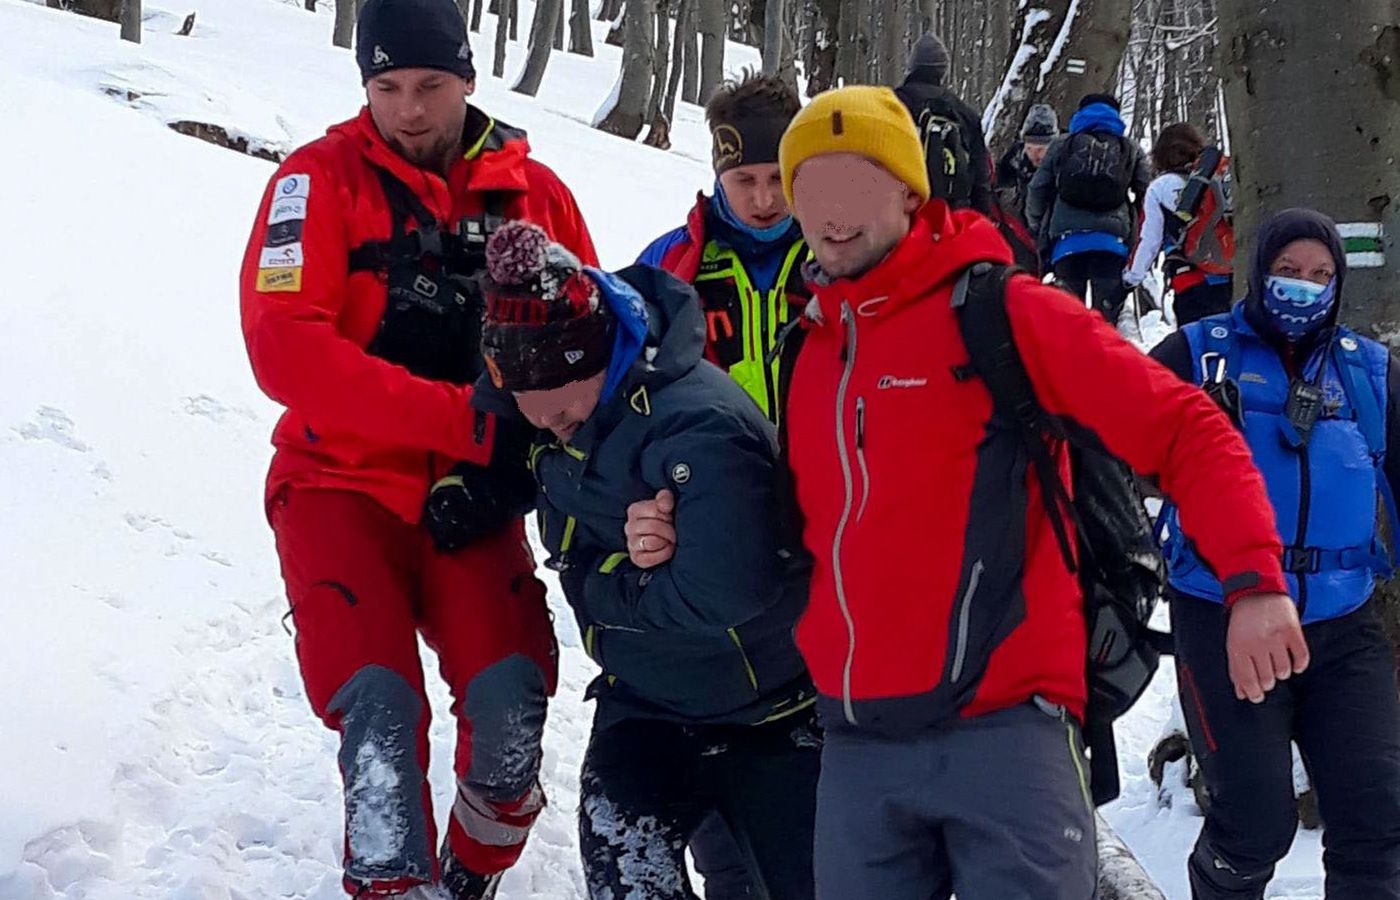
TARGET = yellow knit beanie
x,y
869,121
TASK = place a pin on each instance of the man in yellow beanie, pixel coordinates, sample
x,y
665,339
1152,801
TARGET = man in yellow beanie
x,y
945,630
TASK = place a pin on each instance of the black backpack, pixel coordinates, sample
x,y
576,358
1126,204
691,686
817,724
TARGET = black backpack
x,y
1120,569
1096,172
947,157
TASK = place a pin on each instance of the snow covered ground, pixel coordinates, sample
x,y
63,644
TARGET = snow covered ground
x,y
154,738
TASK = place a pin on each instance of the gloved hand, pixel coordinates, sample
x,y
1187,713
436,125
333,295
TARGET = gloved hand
x,y
472,501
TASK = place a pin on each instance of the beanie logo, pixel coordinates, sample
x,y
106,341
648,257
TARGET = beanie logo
x,y
380,57
729,147
838,123
464,52
572,357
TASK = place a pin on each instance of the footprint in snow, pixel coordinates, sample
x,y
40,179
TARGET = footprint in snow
x,y
52,425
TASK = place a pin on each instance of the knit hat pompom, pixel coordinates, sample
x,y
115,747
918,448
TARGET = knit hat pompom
x,y
545,323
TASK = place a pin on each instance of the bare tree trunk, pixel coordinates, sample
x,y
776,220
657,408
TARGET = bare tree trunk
x,y
1056,59
515,20
928,14
494,8
628,109
475,23
690,60
310,5
772,36
616,34
131,21
821,72
580,29
548,13
712,23
503,27
610,10
660,58
684,26
344,30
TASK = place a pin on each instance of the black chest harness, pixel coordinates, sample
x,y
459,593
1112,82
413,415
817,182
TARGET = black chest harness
x,y
432,318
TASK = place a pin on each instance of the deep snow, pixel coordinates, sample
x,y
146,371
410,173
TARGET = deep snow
x,y
154,738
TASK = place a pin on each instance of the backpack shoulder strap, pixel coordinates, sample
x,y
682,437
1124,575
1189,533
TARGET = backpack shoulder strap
x,y
1356,380
1220,356
979,300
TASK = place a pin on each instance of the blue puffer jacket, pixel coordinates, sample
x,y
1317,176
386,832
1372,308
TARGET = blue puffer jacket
x,y
1325,491
706,637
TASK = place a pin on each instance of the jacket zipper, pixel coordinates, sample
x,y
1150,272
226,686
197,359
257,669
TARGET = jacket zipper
x,y
764,341
860,458
964,617
849,321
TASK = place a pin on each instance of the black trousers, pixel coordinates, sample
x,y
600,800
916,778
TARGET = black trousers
x,y
1345,717
648,786
1203,300
1097,270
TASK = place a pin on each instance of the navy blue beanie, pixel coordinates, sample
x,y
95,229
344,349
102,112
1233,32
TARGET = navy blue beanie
x,y
1283,229
412,34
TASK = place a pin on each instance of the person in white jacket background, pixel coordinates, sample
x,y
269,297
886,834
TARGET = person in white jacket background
x,y
1197,294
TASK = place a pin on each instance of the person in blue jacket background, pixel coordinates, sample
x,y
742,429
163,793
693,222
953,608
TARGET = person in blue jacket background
x,y
1317,403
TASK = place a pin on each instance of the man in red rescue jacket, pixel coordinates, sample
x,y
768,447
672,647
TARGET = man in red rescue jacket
x,y
944,632
362,317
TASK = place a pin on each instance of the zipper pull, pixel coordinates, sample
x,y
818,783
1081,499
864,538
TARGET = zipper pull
x,y
860,423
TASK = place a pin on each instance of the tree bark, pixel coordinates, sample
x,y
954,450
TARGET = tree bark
x,y
580,29
628,111
821,72
712,22
503,27
131,21
660,58
344,29
610,10
690,59
772,36
1056,59
684,20
548,14
474,19
310,5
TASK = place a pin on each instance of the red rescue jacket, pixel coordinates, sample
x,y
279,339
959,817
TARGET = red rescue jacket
x,y
896,475
354,421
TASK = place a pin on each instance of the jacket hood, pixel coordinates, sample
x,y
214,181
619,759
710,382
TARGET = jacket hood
x,y
941,244
675,335
1098,117
1278,232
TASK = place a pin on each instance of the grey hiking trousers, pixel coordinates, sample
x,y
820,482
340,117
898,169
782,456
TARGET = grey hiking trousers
x,y
993,808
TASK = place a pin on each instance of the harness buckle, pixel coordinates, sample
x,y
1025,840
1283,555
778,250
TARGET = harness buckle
x,y
1302,560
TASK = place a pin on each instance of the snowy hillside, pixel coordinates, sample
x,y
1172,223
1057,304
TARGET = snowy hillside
x,y
154,738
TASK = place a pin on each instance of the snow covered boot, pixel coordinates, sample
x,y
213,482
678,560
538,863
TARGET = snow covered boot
x,y
460,883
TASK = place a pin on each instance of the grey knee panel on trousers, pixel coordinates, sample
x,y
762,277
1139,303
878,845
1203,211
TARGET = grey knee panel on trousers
x,y
506,704
386,824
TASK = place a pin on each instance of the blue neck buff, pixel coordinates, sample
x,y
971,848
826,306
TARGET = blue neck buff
x,y
769,235
1297,307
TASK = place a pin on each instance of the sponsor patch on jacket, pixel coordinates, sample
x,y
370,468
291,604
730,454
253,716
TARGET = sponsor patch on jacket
x,y
286,209
298,185
280,234
286,279
281,257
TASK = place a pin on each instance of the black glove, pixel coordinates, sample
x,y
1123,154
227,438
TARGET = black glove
x,y
473,501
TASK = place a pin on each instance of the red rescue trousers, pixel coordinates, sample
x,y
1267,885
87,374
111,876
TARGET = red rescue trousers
x,y
363,584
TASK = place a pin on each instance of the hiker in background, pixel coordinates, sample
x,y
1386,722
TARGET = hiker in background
x,y
1082,203
1317,403
955,150
1013,179
1186,213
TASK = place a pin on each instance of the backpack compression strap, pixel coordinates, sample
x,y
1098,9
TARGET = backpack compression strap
x,y
429,239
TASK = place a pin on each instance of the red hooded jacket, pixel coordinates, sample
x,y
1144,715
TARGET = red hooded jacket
x,y
939,589
354,421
